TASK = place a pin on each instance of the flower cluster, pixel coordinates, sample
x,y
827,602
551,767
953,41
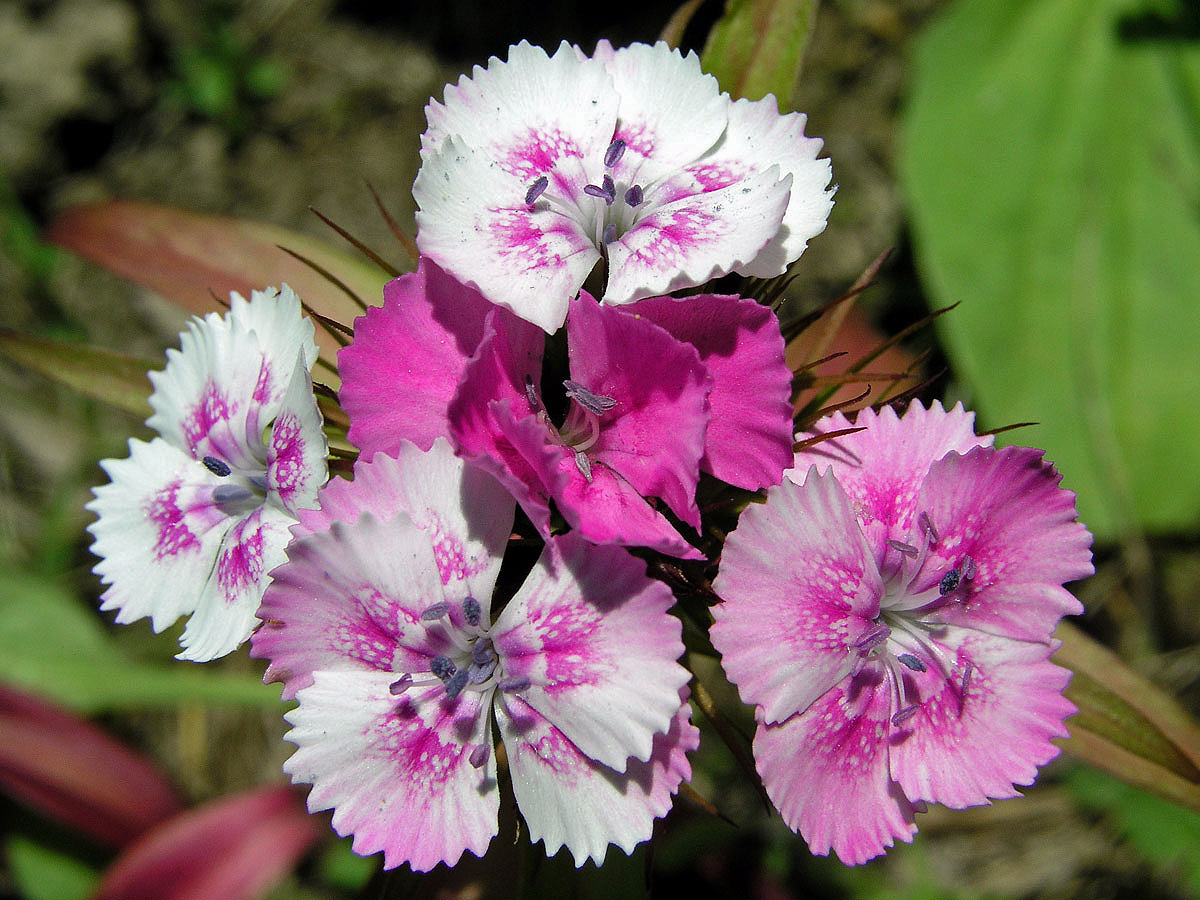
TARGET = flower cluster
x,y
887,610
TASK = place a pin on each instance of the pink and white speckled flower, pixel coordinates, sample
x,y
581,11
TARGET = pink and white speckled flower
x,y
380,625
536,168
889,611
194,520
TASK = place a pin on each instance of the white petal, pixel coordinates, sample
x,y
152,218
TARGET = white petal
x,y
297,447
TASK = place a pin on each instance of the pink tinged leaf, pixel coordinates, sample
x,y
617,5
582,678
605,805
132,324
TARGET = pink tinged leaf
x,y
234,848
1004,510
568,799
73,772
465,511
749,438
882,467
351,598
826,770
157,533
407,357
397,771
653,436
591,633
474,222
225,614
801,591
297,447
964,747
683,241
188,257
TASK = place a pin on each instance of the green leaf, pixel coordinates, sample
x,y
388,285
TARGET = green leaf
x,y
113,378
51,645
1053,177
757,47
41,873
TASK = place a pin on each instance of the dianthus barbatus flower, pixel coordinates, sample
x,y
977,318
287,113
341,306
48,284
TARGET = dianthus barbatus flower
x,y
658,391
380,625
536,168
194,520
890,613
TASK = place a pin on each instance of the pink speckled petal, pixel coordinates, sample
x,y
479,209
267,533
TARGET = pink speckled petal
x,y
474,222
682,240
297,447
882,467
961,751
226,612
396,771
407,358
568,799
467,514
351,598
826,770
654,434
670,112
157,532
1004,509
800,588
592,634
749,437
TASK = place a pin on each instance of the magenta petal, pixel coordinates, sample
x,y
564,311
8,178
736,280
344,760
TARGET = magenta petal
x,y
749,438
1004,510
654,435
407,358
826,770
800,588
964,750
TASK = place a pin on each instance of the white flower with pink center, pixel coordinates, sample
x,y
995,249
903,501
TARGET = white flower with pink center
x,y
193,521
889,612
381,626
535,169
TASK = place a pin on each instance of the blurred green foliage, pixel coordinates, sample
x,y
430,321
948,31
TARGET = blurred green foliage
x,y
757,47
1051,163
42,873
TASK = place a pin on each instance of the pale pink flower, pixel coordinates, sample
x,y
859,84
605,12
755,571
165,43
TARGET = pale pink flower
x,y
535,168
654,393
380,625
193,521
889,612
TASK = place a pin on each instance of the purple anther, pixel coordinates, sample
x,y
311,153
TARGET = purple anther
x,y
400,685
613,154
442,667
904,715
968,569
926,525
634,196
472,611
531,392
231,493
609,188
602,193
479,755
435,612
906,549
966,680
949,582
513,684
482,653
584,465
218,467
536,190
478,674
610,233
911,662
872,638
597,404
456,682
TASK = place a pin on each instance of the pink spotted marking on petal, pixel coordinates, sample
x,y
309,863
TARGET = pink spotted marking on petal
x,y
241,565
714,176
288,469
685,228
419,750
174,536
522,241
262,390
568,646
212,408
638,138
448,553
537,153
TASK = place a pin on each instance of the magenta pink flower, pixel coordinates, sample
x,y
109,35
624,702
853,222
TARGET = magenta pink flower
x,y
655,393
195,520
889,612
534,169
380,625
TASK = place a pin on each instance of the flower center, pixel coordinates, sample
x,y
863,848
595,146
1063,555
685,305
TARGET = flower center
x,y
241,490
614,210
581,428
